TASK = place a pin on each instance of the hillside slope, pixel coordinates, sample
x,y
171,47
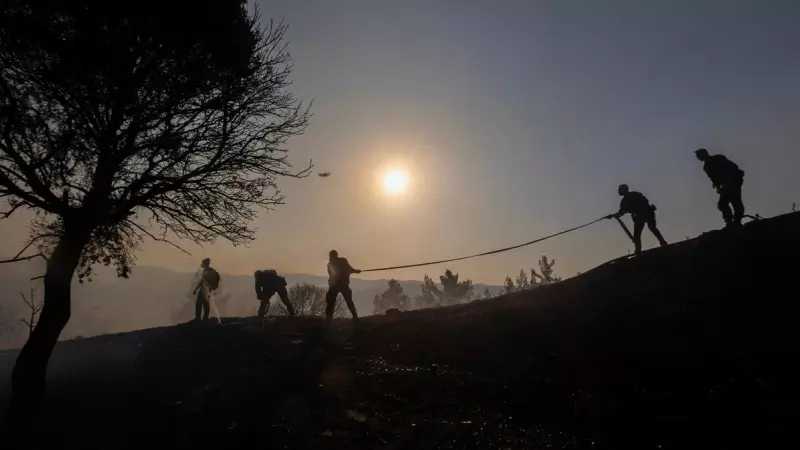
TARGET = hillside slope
x,y
689,346
152,297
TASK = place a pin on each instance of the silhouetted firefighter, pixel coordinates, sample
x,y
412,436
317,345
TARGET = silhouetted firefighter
x,y
209,281
339,271
268,283
727,179
642,212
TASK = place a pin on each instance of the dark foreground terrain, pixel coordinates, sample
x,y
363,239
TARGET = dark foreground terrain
x,y
691,346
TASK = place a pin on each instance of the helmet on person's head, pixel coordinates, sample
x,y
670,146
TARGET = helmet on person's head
x,y
333,254
701,154
206,262
623,189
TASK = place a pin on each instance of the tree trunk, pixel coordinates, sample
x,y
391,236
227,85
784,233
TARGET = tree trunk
x,y
28,379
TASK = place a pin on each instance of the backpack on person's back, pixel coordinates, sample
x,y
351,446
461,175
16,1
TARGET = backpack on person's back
x,y
211,278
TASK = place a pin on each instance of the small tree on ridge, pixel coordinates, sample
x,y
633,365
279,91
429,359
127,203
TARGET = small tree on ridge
x,y
393,297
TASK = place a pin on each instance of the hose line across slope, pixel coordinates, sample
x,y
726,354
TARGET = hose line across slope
x,y
492,252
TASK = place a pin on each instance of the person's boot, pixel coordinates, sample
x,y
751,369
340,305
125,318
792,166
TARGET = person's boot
x,y
728,218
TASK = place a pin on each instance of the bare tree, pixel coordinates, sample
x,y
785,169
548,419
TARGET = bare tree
x,y
146,119
34,307
307,300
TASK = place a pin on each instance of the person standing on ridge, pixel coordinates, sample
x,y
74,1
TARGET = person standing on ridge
x,y
209,281
727,179
642,212
268,283
339,271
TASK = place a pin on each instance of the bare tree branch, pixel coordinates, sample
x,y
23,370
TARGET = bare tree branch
x,y
155,238
34,308
7,214
30,242
17,259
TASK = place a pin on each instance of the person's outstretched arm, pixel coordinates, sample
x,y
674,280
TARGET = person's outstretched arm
x,y
621,211
351,269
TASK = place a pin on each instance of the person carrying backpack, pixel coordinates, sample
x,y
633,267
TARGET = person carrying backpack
x,y
209,281
727,178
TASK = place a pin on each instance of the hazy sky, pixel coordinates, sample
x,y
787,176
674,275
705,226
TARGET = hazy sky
x,y
516,119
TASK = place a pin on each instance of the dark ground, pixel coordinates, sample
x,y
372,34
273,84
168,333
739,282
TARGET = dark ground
x,y
691,346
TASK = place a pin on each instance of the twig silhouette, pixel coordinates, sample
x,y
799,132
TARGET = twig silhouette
x,y
34,308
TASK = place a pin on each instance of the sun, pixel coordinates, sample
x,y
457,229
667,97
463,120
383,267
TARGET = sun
x,y
395,181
